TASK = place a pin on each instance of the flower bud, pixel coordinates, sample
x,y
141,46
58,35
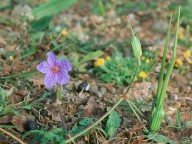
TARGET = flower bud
x,y
136,45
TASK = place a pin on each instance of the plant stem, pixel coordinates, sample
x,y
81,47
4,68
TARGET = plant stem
x,y
14,137
58,103
136,71
130,104
96,123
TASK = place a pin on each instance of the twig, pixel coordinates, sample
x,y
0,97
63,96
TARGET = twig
x,y
14,137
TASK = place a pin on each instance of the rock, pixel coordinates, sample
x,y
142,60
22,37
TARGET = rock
x,y
188,124
160,26
94,89
30,125
183,101
84,86
102,91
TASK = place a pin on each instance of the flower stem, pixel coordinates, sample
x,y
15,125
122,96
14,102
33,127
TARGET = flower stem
x,y
58,103
136,71
96,123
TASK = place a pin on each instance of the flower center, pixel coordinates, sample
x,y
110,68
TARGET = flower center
x,y
55,69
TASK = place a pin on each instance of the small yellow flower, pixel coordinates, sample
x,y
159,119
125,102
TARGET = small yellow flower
x,y
142,74
180,36
178,63
11,58
142,58
64,32
147,60
99,62
187,54
107,58
135,78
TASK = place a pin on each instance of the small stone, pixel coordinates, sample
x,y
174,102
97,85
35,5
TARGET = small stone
x,y
94,89
102,91
183,102
69,86
30,125
189,124
84,86
173,97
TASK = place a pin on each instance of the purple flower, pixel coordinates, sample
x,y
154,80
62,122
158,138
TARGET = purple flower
x,y
56,70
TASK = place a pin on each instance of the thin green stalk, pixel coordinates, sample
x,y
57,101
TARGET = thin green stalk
x,y
136,114
160,82
137,109
164,88
95,123
136,71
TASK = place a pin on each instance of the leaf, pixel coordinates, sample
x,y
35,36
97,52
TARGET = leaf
x,y
52,7
26,74
86,121
160,138
113,123
41,24
178,117
91,56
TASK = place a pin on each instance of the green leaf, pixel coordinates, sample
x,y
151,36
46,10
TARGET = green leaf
x,y
113,123
91,56
160,138
52,7
86,121
41,24
26,74
178,117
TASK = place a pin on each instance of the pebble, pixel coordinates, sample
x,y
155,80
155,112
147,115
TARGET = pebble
x,y
102,91
189,124
183,102
30,125
84,86
94,89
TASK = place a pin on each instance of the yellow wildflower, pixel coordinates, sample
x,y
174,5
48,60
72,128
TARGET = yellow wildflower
x,y
11,58
64,32
147,60
142,58
142,74
107,58
178,63
99,62
135,78
180,36
187,54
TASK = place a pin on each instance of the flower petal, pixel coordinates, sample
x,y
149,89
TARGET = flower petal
x,y
50,79
65,64
62,77
52,59
43,67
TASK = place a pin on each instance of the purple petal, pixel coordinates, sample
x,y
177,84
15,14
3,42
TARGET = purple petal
x,y
52,59
65,64
62,77
43,67
50,79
